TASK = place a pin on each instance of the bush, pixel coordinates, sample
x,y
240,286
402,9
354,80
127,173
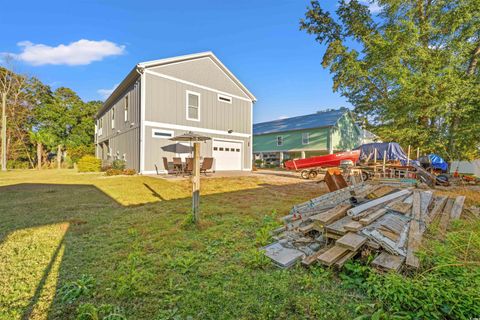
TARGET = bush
x,y
89,163
76,153
18,164
119,164
129,172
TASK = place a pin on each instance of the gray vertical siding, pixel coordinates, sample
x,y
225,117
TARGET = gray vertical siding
x,y
124,138
203,71
166,103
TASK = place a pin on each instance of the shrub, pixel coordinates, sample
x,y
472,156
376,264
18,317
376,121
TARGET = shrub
x,y
89,163
113,172
76,153
129,172
119,164
18,164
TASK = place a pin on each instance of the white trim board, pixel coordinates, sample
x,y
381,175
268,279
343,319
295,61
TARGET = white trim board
x,y
142,121
189,128
161,75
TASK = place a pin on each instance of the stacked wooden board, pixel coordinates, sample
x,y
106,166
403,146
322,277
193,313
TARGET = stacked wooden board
x,y
387,220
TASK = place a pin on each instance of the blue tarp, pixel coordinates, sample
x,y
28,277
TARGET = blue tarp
x,y
393,149
437,162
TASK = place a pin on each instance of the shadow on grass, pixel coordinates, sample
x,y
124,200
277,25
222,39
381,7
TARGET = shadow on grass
x,y
96,225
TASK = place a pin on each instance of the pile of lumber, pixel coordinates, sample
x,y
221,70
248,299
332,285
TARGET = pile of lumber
x,y
387,220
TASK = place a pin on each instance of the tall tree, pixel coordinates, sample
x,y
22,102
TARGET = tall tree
x,y
411,71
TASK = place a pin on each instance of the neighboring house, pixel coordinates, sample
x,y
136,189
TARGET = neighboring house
x,y
320,133
165,98
466,167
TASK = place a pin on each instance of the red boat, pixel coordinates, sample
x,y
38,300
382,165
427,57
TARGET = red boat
x,y
329,160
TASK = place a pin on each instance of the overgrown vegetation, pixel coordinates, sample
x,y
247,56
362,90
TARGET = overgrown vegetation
x,y
145,263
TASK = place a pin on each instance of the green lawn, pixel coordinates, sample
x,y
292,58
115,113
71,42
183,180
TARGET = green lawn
x,y
71,243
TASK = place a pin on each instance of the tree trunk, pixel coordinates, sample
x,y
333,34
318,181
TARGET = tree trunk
x,y
472,66
59,156
39,155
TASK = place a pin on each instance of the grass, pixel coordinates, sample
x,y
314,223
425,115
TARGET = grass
x,y
87,246
130,239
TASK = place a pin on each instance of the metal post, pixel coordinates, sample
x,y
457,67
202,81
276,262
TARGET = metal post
x,y
196,183
375,162
4,132
408,161
418,153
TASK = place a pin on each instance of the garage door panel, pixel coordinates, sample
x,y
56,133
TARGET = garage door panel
x,y
227,155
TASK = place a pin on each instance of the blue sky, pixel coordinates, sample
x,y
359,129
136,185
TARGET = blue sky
x,y
259,41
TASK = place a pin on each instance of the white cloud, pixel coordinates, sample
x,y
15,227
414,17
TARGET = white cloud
x,y
76,53
373,6
105,93
282,117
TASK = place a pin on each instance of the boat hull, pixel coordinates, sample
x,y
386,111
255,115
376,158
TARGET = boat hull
x,y
329,160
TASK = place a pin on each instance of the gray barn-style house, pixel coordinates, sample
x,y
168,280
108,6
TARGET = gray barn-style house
x,y
164,98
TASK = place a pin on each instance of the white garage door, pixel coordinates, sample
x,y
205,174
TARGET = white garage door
x,y
227,155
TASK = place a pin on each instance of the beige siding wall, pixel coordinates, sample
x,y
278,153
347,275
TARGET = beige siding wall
x,y
158,148
124,136
166,103
202,71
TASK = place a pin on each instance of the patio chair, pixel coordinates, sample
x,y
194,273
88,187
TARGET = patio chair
x,y
177,166
165,164
206,165
188,166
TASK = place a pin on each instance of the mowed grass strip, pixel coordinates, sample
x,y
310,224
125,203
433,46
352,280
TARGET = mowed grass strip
x,y
132,236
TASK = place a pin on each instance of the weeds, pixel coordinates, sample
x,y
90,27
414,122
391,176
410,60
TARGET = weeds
x,y
71,291
88,311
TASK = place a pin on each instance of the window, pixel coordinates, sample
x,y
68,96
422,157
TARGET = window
x,y
193,106
126,106
215,148
223,98
221,149
113,118
238,150
100,126
162,134
305,138
227,149
279,141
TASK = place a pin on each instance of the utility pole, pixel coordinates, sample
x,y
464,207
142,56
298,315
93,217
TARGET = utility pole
x,y
4,131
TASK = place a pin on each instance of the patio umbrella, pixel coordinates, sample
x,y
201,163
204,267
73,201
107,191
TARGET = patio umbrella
x,y
196,139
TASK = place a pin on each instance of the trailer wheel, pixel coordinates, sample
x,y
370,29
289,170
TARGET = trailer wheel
x,y
312,174
305,174
365,175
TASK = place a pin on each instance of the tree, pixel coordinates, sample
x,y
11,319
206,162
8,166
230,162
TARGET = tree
x,y
411,72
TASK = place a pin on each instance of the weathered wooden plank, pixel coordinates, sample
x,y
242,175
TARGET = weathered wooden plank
x,y
372,217
331,215
386,261
332,255
457,208
353,226
311,259
338,226
401,207
445,218
385,199
334,180
340,262
414,234
437,208
306,228
351,241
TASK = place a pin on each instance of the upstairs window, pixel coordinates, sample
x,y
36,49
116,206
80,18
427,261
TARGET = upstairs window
x,y
113,118
305,138
100,126
193,106
279,141
126,106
